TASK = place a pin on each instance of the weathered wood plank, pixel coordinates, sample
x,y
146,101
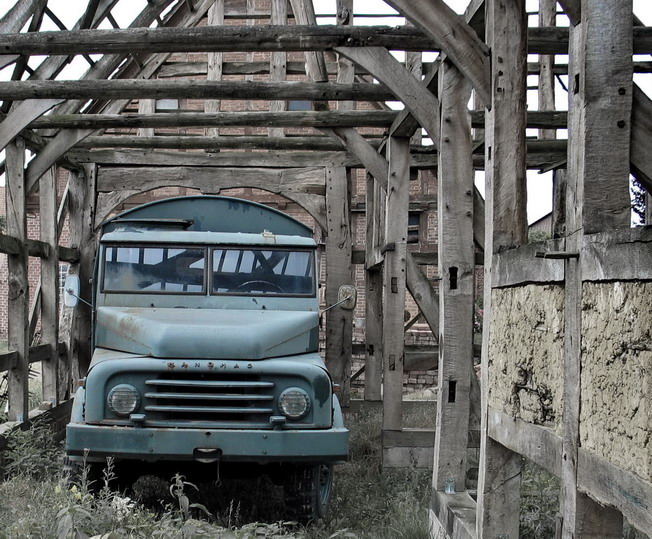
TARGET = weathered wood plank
x,y
371,118
195,89
452,515
394,281
595,200
456,287
307,180
505,227
146,106
299,37
339,322
49,297
81,215
537,443
17,281
522,266
610,485
603,255
214,61
266,38
373,297
456,38
278,61
388,70
423,293
641,137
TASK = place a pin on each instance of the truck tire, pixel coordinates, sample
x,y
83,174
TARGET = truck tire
x,y
308,492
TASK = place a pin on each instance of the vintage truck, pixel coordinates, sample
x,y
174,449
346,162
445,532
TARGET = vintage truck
x,y
205,349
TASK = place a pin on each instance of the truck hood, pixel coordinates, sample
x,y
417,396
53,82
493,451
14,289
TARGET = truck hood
x,y
206,333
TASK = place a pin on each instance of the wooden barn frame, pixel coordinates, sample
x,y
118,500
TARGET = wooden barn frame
x,y
483,58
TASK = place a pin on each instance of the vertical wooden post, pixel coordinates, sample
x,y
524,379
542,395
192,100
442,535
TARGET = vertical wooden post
x,y
214,69
18,283
546,95
456,269
278,61
597,198
339,322
146,106
373,299
81,218
49,284
505,227
394,278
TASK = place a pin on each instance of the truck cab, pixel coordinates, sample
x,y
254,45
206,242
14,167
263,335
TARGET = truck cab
x,y
205,347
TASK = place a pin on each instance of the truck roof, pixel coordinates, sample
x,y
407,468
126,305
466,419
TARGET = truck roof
x,y
180,237
207,213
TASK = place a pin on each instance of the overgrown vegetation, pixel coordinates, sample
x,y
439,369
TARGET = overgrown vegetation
x,y
39,503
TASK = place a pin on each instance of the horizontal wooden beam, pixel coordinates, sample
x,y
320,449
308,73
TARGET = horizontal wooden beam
x,y
36,248
40,352
537,443
192,89
192,69
214,39
597,477
541,40
354,118
541,153
297,180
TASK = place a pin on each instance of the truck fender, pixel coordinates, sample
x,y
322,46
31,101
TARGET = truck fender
x,y
77,413
338,418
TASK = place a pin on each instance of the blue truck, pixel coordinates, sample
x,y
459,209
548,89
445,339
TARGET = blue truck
x,y
205,348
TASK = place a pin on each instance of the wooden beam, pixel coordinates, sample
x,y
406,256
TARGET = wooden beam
x,y
17,282
597,198
573,10
195,89
49,285
394,281
457,39
339,322
371,118
505,227
374,296
80,216
456,286
275,38
641,137
18,15
278,61
214,62
299,37
388,70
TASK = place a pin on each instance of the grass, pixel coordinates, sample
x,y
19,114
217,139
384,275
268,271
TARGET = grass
x,y
366,503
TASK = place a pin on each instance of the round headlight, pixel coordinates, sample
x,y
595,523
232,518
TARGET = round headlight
x,y
294,403
123,399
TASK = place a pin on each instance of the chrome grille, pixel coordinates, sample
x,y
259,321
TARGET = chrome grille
x,y
213,399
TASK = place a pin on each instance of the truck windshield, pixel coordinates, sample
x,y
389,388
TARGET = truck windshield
x,y
170,270
262,271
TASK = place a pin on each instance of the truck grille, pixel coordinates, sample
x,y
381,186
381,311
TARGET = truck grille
x,y
213,399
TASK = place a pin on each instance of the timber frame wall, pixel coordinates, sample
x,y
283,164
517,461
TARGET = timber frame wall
x,y
484,55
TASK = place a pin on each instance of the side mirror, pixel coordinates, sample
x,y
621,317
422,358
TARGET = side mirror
x,y
348,296
71,291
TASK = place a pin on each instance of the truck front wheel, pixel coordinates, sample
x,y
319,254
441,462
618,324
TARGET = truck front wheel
x,y
308,491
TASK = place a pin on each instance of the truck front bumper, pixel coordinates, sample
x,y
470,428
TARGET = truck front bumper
x,y
156,444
